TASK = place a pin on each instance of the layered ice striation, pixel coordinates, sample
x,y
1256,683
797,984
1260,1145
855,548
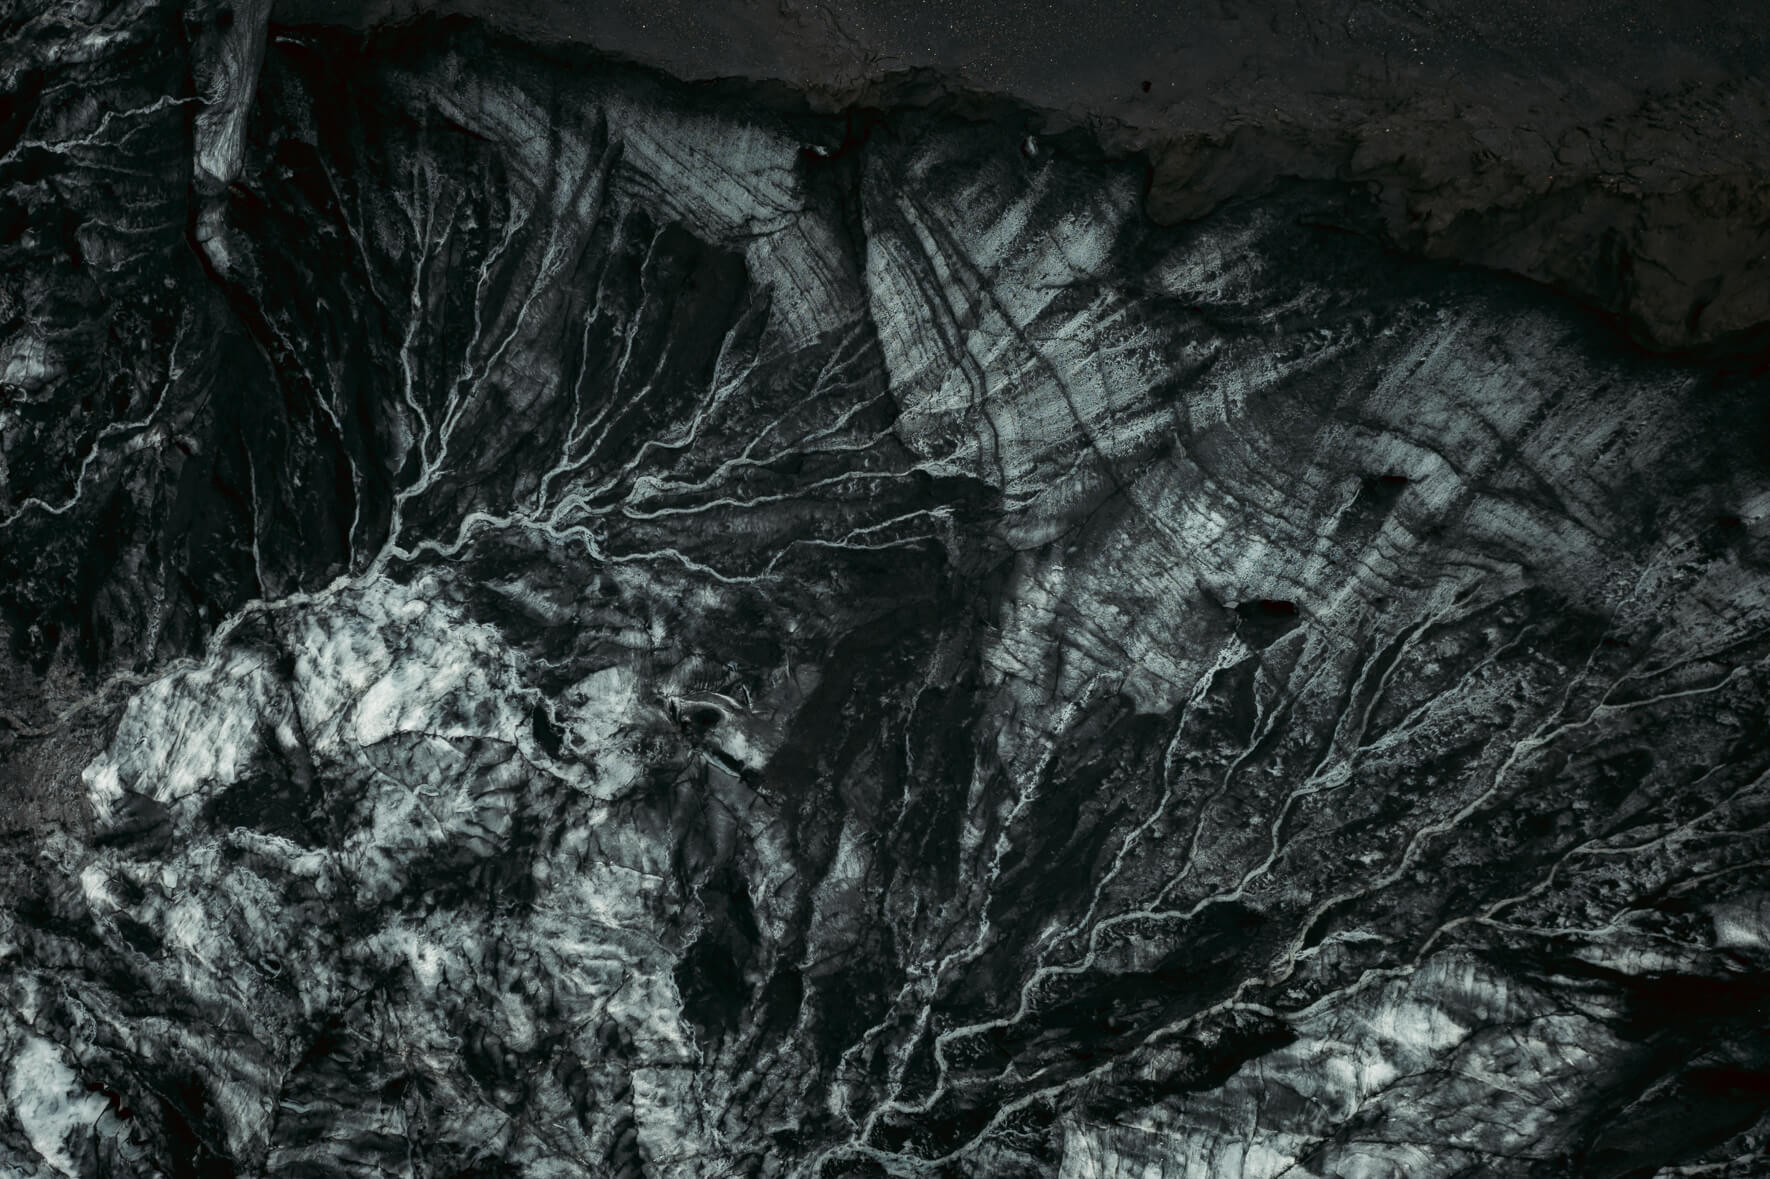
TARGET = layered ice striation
x,y
611,628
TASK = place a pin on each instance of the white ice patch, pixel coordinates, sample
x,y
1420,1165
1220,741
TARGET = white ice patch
x,y
1452,1054
595,711
186,730
372,663
28,362
1743,923
600,703
49,1103
398,662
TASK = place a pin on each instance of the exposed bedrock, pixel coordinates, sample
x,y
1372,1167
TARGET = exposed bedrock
x,y
569,623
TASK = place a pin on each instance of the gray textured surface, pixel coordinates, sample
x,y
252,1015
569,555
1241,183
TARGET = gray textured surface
x,y
563,623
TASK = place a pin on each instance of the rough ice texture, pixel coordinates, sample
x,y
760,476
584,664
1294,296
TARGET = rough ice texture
x,y
602,628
